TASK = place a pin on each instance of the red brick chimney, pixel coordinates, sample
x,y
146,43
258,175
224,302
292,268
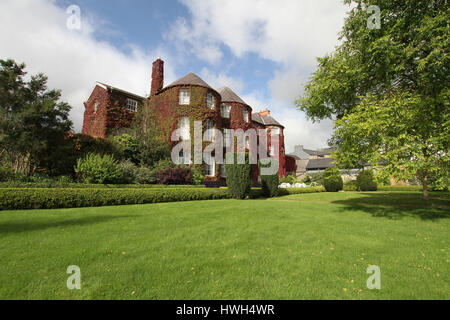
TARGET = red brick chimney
x,y
157,76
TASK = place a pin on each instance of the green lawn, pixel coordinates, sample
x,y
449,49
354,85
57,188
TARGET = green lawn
x,y
307,246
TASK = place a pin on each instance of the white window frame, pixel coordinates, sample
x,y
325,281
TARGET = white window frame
x,y
226,138
184,96
245,115
185,128
209,135
132,105
225,111
96,104
210,101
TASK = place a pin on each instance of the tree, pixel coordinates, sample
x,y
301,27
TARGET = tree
x,y
33,123
153,147
388,89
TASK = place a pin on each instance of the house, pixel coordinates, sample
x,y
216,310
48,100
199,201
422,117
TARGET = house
x,y
317,161
177,106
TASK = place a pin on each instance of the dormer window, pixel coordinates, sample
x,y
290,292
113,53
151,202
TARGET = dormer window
x,y
185,96
225,111
132,105
245,115
210,100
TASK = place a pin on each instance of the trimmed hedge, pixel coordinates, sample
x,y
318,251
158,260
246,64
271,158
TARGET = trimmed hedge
x,y
270,183
55,184
332,180
239,177
290,191
400,188
35,198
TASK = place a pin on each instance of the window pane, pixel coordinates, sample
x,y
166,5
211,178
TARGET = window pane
x,y
210,100
184,96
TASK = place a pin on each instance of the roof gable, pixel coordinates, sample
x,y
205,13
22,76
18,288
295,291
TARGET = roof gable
x,y
190,79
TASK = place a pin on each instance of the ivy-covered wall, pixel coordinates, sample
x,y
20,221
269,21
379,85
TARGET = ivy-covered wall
x,y
111,113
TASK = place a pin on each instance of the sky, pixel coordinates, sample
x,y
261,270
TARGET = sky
x,y
264,50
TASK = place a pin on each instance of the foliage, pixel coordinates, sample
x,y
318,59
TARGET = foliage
x,y
128,171
197,177
36,198
145,175
290,191
239,177
6,172
332,180
33,123
366,181
270,183
127,147
313,179
178,175
98,169
291,179
150,132
350,185
389,89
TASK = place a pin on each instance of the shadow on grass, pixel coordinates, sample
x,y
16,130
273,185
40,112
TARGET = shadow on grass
x,y
17,227
396,205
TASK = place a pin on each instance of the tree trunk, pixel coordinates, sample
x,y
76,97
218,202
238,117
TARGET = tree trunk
x,y
425,187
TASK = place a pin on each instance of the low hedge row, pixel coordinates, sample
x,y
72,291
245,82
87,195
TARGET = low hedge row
x,y
53,198
400,188
289,191
36,198
48,185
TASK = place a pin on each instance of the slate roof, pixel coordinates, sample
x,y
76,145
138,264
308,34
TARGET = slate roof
x,y
228,95
107,86
190,79
320,152
267,120
320,163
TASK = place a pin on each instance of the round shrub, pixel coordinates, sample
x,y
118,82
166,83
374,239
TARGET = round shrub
x,y
271,182
332,180
98,169
366,181
239,177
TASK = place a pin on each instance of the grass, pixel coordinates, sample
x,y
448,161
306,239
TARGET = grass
x,y
306,246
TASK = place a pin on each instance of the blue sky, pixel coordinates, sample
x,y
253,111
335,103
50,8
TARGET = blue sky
x,y
264,50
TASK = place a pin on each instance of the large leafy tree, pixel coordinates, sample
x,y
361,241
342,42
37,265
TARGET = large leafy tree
x,y
33,122
388,89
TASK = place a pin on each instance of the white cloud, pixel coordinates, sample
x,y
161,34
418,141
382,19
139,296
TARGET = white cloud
x,y
35,32
221,79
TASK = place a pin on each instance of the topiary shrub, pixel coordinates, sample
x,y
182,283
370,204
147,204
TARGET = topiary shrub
x,y
239,177
269,183
98,169
178,175
332,180
366,181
